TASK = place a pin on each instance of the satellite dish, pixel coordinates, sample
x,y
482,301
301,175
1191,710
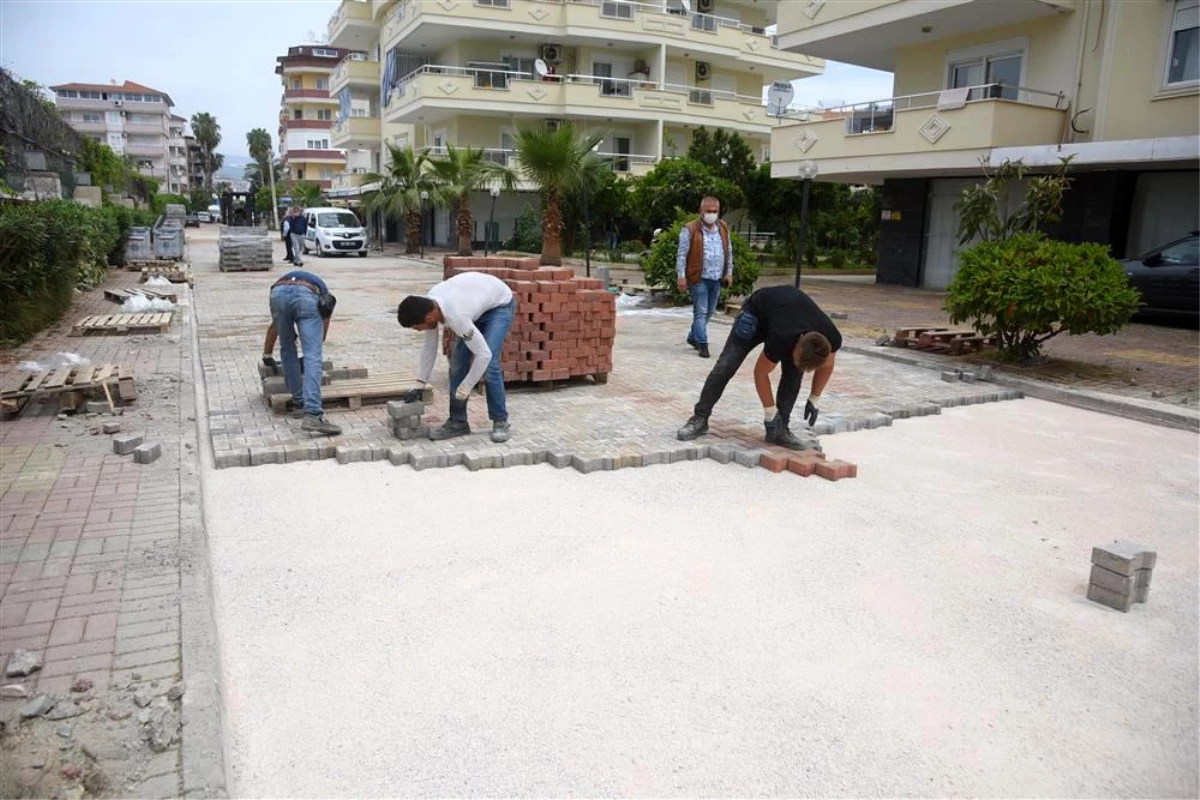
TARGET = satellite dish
x,y
540,68
687,5
779,97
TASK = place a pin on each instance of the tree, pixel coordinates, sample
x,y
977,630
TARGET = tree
x,y
561,162
459,173
305,194
399,193
659,265
677,186
983,208
725,153
198,199
258,142
107,169
208,136
258,177
143,187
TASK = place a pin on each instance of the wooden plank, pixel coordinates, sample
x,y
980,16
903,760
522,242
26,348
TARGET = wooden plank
x,y
83,376
15,382
57,378
102,373
37,381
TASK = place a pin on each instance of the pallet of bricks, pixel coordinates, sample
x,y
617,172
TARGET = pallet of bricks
x,y
244,249
564,326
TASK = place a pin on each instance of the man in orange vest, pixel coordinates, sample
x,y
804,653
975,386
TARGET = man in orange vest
x,y
703,262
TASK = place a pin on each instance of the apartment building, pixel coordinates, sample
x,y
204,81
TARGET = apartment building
x,y
433,73
306,115
1113,83
178,175
134,120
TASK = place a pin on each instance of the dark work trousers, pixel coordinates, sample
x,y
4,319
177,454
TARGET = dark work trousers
x,y
287,242
745,336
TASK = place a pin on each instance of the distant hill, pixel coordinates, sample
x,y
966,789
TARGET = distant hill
x,y
234,167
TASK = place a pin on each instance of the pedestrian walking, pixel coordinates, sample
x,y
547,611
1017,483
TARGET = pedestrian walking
x,y
301,307
479,308
285,231
297,228
703,262
794,332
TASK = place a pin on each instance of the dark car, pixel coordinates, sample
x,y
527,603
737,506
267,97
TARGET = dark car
x,y
1169,277
192,221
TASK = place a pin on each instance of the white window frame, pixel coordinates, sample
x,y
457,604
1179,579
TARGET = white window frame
x,y
328,114
1005,47
322,79
1168,40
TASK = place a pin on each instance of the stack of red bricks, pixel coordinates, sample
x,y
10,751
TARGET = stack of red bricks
x,y
564,327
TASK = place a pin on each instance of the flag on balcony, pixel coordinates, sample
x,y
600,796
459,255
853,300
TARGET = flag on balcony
x,y
343,97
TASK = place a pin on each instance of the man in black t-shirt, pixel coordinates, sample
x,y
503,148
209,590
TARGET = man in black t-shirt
x,y
794,332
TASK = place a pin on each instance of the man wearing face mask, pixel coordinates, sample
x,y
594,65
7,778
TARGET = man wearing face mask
x,y
703,262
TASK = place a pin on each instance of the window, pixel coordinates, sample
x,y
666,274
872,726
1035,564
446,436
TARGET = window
x,y
318,144
1183,44
616,9
704,22
298,113
89,95
324,52
995,68
325,114
701,97
1180,254
326,173
493,3
114,118
297,83
300,174
337,219
91,117
611,88
323,83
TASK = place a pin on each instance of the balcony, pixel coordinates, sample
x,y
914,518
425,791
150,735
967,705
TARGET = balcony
x,y
436,92
632,23
143,149
356,133
353,26
354,70
304,96
936,133
315,156
869,32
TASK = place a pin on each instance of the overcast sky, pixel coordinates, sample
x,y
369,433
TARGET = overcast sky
x,y
219,55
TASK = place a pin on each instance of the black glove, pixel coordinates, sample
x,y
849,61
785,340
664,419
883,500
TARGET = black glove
x,y
810,413
772,429
413,395
269,360
325,304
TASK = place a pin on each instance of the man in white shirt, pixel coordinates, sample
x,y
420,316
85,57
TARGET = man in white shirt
x,y
479,308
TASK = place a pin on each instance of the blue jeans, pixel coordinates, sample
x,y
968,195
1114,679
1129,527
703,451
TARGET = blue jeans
x,y
294,309
494,325
704,302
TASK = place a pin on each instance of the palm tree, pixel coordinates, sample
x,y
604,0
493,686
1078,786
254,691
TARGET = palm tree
x,y
208,136
305,194
461,172
560,162
399,193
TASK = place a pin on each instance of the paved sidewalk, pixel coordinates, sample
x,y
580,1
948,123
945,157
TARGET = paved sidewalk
x,y
630,421
90,563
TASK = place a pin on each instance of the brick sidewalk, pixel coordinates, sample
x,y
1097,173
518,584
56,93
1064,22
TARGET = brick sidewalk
x,y
89,543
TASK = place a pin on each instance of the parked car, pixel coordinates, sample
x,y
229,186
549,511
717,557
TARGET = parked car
x,y
1169,277
192,220
334,231
203,216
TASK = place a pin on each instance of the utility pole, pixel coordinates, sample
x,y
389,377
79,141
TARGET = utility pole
x,y
271,172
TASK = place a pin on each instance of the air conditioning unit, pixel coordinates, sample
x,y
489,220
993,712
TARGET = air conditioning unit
x,y
551,53
703,70
705,6
118,103
553,124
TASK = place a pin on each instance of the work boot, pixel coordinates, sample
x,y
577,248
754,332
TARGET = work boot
x,y
772,429
696,426
703,349
692,342
319,424
785,438
297,412
450,429
499,432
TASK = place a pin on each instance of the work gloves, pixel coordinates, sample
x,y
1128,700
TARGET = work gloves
x,y
810,410
463,393
269,360
413,395
772,428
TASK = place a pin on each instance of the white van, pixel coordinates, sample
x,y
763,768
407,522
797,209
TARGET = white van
x,y
334,231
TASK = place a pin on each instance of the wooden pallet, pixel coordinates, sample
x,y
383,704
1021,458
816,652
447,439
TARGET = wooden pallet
x,y
138,264
356,392
156,322
71,384
941,338
121,295
173,274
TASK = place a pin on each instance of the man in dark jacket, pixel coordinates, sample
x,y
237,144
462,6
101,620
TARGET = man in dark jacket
x,y
298,226
285,233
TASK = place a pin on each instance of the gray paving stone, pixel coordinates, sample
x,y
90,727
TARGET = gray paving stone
x,y
1098,594
950,376
517,458
586,465
398,456
720,453
126,443
1124,557
352,454
398,409
111,427
147,453
293,453
558,460
232,458
748,458
425,461
266,455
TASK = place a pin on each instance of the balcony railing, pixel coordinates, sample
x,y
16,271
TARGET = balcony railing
x,y
498,78
621,162
879,116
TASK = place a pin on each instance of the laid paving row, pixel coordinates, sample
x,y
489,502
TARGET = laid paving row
x,y
629,421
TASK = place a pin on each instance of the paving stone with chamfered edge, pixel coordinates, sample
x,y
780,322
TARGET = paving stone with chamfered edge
x,y
125,444
147,453
836,470
1098,594
349,454
1124,557
398,409
111,427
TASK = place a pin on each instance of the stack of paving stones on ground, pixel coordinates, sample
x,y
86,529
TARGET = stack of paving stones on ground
x,y
90,555
1121,574
629,421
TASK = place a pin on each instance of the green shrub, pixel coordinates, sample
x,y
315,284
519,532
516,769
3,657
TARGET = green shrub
x,y
631,246
159,203
1027,289
527,231
837,258
659,265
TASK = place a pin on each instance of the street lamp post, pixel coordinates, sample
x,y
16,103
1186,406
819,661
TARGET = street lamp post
x,y
808,171
587,233
424,197
487,234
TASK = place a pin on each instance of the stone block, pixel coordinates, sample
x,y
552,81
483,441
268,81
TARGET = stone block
x,y
1112,581
626,460
822,428
587,464
232,458
804,467
293,453
748,458
125,444
950,377
352,454
398,409
517,458
147,453
266,455
835,470
96,406
1124,557
1098,594
398,456
720,453
411,423
478,461
422,461
656,457
1141,585
274,385
558,460
111,427
406,434
539,456
969,377
926,409
986,372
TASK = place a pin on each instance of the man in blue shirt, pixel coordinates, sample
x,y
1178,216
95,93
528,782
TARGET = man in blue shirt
x,y
301,305
703,262
297,227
